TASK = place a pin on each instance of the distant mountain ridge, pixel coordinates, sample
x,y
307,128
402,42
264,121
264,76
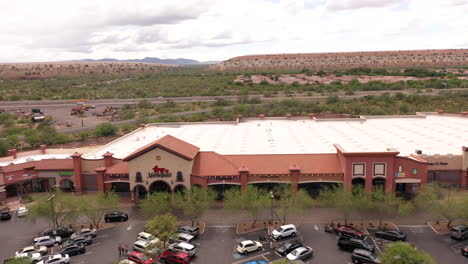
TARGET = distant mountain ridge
x,y
178,61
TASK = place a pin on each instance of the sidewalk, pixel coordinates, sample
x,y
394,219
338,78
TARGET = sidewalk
x,y
13,203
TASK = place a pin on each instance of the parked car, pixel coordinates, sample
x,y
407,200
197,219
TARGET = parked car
x,y
127,261
48,241
34,256
32,249
392,235
85,232
350,231
5,214
349,243
185,247
464,251
247,246
191,230
80,241
61,232
361,256
284,231
174,257
73,250
22,211
287,247
147,237
256,262
140,258
115,216
300,253
56,259
145,246
459,232
182,237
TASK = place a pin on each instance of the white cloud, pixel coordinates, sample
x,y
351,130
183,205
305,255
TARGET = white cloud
x,y
219,29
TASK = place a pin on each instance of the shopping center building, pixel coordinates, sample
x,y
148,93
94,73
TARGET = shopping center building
x,y
397,153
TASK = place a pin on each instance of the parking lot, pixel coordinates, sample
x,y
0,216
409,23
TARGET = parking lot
x,y
217,244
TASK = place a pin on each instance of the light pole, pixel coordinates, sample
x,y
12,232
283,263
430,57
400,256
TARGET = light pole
x,y
445,85
272,196
51,200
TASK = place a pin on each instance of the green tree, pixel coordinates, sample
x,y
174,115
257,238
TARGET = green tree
x,y
105,129
157,203
441,203
65,206
404,253
145,104
165,226
84,134
290,203
13,140
4,147
20,260
94,206
388,205
195,202
343,201
252,200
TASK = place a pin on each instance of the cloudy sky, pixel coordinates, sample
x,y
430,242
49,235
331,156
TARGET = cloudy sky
x,y
54,30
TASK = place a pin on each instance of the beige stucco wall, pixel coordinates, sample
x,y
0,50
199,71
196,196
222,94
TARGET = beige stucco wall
x,y
454,162
88,166
147,161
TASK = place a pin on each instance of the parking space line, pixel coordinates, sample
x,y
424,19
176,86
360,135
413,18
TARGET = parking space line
x,y
95,244
130,227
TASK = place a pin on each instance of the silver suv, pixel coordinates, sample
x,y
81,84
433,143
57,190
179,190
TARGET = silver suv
x,y
284,231
187,248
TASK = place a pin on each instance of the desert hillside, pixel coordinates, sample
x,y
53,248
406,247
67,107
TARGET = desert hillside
x,y
41,70
343,60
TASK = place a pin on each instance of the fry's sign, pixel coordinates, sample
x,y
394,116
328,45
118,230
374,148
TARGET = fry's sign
x,y
159,173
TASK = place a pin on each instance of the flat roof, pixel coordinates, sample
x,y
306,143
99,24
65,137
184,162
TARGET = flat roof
x,y
432,134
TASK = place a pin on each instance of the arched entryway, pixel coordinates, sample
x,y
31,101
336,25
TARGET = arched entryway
x,y
221,188
159,186
180,188
378,183
314,188
122,189
139,192
67,185
359,182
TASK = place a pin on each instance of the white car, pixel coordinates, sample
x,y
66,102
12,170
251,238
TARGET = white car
x,y
48,241
247,246
182,237
284,231
301,253
144,246
187,248
32,249
56,259
127,261
22,211
147,237
34,256
85,232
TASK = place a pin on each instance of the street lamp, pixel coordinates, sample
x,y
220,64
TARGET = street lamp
x,y
51,200
272,196
445,85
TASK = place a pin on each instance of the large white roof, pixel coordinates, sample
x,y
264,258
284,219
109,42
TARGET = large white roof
x,y
34,158
431,134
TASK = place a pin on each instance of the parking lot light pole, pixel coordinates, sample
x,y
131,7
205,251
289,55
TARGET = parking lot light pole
x,y
51,200
272,196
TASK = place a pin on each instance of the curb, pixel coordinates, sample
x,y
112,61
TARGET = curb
x,y
435,231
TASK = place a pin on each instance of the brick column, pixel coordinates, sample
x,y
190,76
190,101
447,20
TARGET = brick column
x,y
77,172
369,174
100,178
108,159
43,149
244,174
294,171
463,179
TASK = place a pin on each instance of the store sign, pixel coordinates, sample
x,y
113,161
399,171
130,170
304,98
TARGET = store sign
x,y
65,174
438,163
414,171
19,176
400,174
159,173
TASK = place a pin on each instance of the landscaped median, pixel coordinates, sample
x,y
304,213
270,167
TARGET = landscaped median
x,y
442,228
244,228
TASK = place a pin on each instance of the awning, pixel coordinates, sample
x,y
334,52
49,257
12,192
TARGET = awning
x,y
407,180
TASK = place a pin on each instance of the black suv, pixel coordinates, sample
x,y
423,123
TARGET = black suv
x,y
459,232
191,230
287,247
61,232
115,216
5,214
349,243
363,256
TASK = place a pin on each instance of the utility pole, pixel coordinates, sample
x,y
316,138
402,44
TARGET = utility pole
x,y
51,200
272,196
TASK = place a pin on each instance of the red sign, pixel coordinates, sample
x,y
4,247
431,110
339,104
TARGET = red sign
x,y
156,169
19,176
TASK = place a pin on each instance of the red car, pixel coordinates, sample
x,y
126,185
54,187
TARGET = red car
x,y
140,258
174,257
350,231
